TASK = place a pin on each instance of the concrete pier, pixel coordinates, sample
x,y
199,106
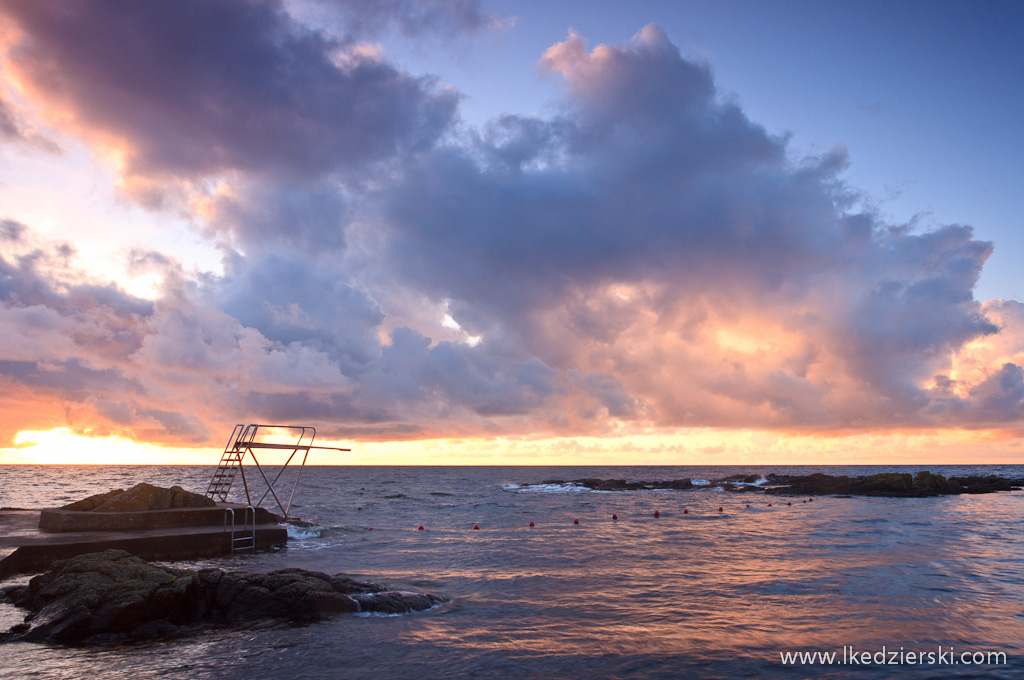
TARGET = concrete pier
x,y
31,540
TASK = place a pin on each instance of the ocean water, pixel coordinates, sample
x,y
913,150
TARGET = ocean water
x,y
705,594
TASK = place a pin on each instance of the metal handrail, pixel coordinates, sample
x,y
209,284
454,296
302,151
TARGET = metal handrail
x,y
243,443
244,542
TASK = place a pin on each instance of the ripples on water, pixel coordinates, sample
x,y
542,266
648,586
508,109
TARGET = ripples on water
x,y
705,594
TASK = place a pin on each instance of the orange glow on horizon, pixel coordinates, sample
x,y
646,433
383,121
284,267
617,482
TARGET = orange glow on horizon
x,y
698,446
60,446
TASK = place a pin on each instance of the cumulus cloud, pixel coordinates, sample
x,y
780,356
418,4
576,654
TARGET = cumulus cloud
x,y
271,339
646,257
654,233
192,89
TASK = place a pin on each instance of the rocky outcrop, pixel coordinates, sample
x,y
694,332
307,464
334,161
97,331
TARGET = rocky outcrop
x,y
924,483
114,596
141,497
623,485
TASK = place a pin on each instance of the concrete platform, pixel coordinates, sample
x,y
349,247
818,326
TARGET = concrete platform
x,y
58,520
25,548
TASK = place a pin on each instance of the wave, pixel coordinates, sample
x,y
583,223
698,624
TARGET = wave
x,y
388,615
303,533
546,487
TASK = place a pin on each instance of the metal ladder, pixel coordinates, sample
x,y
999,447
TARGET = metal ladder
x,y
230,461
246,441
247,541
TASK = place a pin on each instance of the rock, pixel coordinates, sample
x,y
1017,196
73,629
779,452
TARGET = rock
x,y
623,485
899,484
393,603
114,596
924,483
986,484
93,502
141,497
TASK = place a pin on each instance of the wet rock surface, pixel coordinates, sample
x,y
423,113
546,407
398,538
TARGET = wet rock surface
x,y
141,497
114,596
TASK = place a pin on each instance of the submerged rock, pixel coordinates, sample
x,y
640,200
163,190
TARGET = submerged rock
x,y
141,497
113,596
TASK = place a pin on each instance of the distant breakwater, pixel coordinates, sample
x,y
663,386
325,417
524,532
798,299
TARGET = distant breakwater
x,y
891,484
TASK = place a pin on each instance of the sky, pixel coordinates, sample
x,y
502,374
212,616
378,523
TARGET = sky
x,y
474,232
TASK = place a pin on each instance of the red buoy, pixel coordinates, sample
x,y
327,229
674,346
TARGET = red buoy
x,y
788,503
575,521
685,511
803,501
657,514
720,508
769,505
531,524
810,500
748,505
369,528
615,516
421,528
476,527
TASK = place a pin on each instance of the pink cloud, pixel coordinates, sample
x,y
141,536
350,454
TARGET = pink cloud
x,y
648,257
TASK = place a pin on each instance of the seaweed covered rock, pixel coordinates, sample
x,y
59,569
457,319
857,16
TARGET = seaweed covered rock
x,y
141,497
113,595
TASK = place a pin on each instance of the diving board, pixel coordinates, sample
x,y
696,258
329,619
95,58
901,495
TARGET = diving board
x,y
245,440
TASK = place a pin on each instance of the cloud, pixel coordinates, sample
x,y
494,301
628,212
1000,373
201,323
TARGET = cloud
x,y
268,213
11,230
655,234
648,256
192,89
13,130
414,18
274,337
9,127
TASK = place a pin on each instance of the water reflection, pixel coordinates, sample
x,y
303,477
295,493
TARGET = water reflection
x,y
718,594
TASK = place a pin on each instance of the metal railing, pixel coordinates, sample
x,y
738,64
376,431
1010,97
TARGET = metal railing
x,y
247,541
244,443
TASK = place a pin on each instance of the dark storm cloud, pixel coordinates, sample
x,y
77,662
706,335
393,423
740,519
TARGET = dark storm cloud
x,y
192,88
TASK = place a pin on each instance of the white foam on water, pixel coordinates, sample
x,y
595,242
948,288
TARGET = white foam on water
x,y
303,533
566,487
384,615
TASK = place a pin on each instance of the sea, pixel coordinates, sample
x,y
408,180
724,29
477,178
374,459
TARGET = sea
x,y
832,587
